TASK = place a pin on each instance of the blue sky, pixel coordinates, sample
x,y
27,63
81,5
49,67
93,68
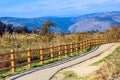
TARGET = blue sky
x,y
39,8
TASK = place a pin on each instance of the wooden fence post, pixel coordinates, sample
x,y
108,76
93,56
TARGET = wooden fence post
x,y
65,50
29,58
12,61
71,49
91,42
103,41
107,40
51,54
76,48
99,41
87,43
41,55
81,46
96,42
59,51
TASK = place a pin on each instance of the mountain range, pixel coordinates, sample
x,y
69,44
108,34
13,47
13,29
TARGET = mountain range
x,y
95,21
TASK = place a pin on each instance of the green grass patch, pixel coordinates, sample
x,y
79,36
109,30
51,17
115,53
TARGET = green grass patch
x,y
20,69
37,64
17,70
70,75
4,74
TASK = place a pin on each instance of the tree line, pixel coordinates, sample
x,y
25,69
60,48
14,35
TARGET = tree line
x,y
10,29
24,29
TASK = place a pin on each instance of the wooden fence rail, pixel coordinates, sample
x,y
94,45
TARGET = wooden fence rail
x,y
27,57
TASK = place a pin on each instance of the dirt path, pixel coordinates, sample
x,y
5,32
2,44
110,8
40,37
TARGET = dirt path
x,y
84,68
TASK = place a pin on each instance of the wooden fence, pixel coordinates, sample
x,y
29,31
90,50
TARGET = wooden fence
x,y
15,59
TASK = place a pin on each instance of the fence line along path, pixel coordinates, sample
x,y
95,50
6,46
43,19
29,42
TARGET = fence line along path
x,y
42,56
46,72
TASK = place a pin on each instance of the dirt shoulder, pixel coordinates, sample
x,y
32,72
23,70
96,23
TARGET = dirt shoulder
x,y
85,68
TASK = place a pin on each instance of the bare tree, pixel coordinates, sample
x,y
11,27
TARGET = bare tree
x,y
46,28
113,33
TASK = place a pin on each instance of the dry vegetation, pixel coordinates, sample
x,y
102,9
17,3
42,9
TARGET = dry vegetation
x,y
23,41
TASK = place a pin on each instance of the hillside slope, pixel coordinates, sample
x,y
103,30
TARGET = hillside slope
x,y
88,22
100,21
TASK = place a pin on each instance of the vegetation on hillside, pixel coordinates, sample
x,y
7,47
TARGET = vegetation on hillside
x,y
20,37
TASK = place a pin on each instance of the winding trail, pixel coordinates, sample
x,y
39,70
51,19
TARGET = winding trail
x,y
85,68
47,72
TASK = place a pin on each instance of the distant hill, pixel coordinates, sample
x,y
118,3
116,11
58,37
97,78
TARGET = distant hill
x,y
88,22
97,21
62,23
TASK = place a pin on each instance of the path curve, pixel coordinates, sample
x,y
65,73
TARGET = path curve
x,y
86,68
46,72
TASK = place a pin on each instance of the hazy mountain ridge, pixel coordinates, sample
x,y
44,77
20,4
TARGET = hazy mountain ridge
x,y
95,21
100,21
62,23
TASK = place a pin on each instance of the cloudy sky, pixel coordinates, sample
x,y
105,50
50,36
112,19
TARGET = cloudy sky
x,y
39,8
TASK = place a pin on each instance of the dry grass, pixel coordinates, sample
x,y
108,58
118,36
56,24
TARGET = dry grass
x,y
23,41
